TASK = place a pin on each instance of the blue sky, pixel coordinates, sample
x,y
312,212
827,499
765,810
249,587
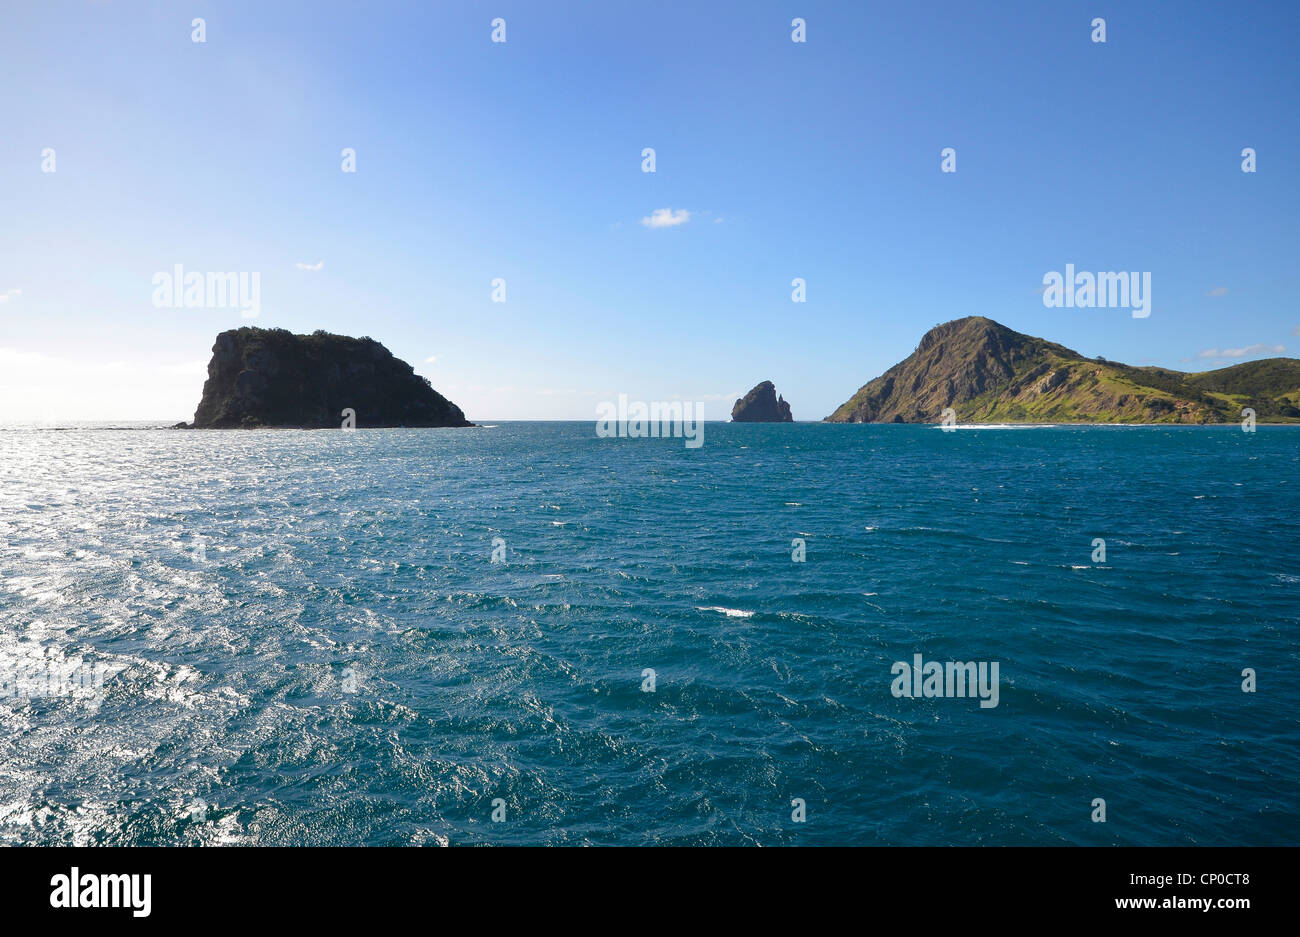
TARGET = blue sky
x,y
522,160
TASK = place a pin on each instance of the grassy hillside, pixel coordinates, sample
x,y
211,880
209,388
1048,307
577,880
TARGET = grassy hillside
x,y
989,373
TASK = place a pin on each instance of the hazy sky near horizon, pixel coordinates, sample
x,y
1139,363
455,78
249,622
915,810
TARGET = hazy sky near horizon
x,y
522,161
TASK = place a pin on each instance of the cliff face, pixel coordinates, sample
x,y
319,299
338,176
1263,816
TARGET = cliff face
x,y
271,377
761,405
990,374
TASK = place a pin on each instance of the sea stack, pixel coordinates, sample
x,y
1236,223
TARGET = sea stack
x,y
273,378
761,405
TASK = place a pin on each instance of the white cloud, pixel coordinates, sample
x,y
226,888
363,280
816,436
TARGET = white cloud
x,y
198,367
50,386
431,359
10,294
1243,352
666,218
11,357
316,266
1218,291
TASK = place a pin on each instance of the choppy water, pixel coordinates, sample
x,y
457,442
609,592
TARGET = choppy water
x,y
345,663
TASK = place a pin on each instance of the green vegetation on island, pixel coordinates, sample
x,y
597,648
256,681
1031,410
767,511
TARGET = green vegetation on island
x,y
989,373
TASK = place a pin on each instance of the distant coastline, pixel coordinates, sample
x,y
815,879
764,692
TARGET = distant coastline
x,y
967,373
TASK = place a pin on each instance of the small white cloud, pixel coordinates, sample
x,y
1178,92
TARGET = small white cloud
x,y
198,367
1243,352
10,294
1218,291
10,357
431,359
316,266
666,218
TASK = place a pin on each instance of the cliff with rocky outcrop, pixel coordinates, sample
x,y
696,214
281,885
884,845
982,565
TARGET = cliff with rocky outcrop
x,y
274,378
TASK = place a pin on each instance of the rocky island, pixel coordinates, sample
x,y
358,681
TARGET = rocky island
x,y
761,405
274,378
989,373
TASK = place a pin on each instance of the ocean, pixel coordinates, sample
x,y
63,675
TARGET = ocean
x,y
525,634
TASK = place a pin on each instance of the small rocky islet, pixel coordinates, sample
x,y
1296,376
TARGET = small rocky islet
x,y
261,378
761,405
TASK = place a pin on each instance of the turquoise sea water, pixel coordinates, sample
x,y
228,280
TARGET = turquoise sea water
x,y
343,663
